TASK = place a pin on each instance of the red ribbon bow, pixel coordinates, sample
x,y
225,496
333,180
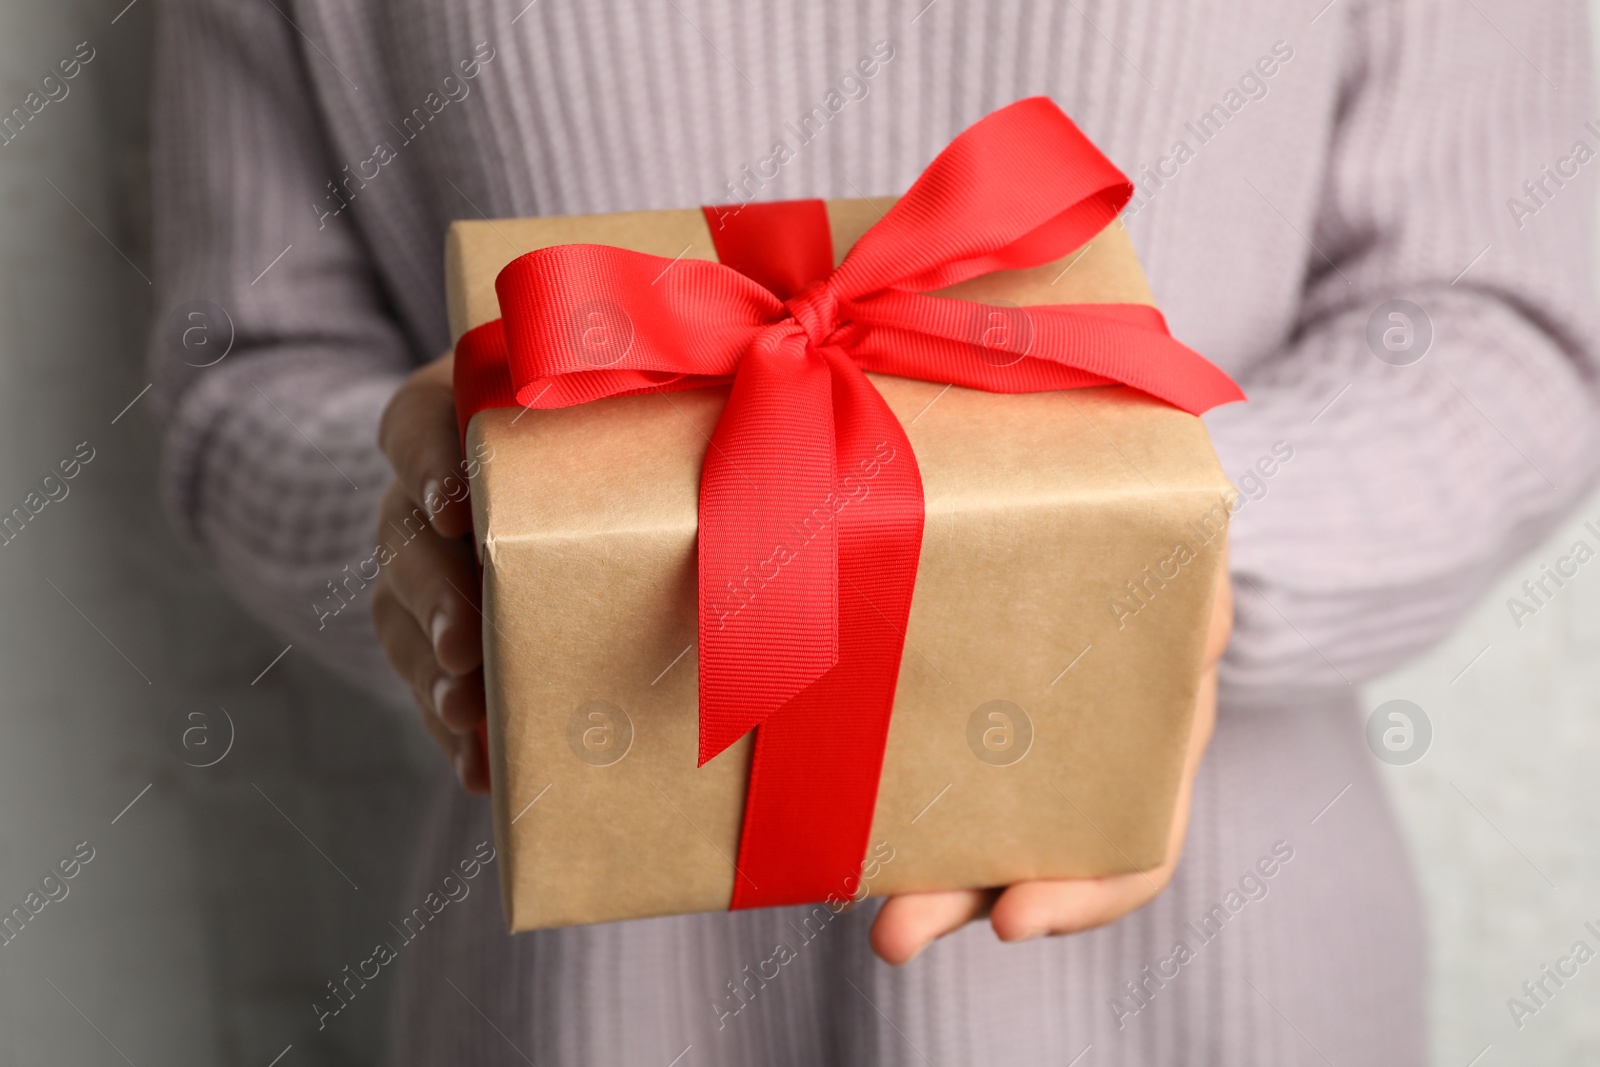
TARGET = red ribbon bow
x,y
811,505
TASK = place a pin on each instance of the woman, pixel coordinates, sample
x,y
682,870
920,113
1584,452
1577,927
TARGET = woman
x,y
1352,210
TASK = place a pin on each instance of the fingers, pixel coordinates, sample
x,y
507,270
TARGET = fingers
x,y
472,766
434,579
1034,909
425,605
450,706
425,609
910,922
458,701
412,656
418,434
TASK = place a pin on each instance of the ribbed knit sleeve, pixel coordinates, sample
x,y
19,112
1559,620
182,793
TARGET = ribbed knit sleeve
x,y
1411,485
271,463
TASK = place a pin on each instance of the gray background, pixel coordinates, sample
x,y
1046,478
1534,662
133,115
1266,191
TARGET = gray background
x,y
220,902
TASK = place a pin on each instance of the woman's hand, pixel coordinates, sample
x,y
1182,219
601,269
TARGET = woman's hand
x,y
908,923
426,600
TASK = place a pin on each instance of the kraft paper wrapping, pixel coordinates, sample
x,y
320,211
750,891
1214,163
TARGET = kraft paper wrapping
x,y
1052,656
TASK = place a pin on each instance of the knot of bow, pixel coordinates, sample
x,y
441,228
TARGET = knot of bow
x,y
816,310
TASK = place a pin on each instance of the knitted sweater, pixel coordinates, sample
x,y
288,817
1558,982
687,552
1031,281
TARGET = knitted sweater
x,y
1299,171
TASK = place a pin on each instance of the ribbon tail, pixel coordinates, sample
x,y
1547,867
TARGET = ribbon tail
x,y
769,580
814,777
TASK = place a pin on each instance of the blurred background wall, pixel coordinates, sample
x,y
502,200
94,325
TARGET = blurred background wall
x,y
207,916
219,898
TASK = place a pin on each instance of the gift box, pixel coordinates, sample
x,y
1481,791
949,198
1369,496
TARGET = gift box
x,y
1038,705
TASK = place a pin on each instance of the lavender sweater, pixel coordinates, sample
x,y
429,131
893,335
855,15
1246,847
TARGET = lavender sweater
x,y
1299,172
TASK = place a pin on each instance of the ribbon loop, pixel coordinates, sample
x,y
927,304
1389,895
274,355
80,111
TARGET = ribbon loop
x,y
811,507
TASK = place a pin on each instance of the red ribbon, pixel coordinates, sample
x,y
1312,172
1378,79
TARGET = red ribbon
x,y
810,501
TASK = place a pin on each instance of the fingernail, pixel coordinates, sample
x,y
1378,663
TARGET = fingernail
x,y
1028,935
433,499
436,628
441,688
